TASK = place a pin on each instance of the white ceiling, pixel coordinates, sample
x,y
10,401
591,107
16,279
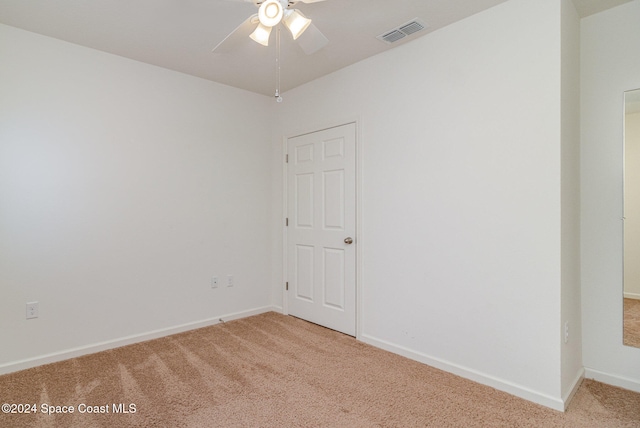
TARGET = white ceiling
x,y
180,34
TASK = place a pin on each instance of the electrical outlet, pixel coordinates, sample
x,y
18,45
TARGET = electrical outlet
x,y
566,332
214,282
32,310
229,280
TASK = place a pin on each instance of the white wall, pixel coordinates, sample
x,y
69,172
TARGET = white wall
x,y
632,206
123,188
610,65
572,368
461,194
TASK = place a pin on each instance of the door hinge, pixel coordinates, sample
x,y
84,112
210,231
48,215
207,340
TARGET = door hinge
x,y
287,287
286,222
286,158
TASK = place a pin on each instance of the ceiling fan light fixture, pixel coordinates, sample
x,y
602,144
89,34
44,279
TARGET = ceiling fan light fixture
x,y
296,22
261,34
270,13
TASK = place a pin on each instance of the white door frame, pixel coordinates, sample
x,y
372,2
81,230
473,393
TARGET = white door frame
x,y
359,237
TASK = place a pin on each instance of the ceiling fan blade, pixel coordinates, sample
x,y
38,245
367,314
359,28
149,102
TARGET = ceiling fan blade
x,y
312,40
237,36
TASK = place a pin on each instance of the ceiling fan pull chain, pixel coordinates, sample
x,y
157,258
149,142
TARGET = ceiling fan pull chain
x,y
278,97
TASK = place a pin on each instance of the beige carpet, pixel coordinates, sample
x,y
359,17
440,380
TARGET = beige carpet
x,y
632,322
277,371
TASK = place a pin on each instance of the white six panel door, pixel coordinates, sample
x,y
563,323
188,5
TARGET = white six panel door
x,y
322,219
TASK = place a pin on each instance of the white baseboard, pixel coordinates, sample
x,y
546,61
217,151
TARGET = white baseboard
x,y
574,388
615,380
632,296
503,385
128,340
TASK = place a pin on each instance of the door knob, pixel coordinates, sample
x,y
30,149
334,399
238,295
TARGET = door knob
x,y
348,240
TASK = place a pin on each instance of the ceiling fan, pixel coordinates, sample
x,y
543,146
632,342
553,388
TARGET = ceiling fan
x,y
270,14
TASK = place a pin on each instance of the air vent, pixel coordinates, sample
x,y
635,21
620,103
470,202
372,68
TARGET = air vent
x,y
411,28
393,36
402,31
